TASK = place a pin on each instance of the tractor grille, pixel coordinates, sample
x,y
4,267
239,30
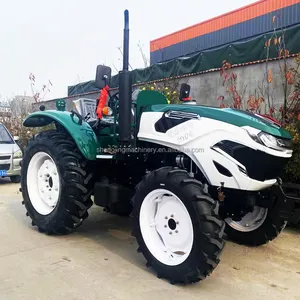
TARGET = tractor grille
x,y
259,165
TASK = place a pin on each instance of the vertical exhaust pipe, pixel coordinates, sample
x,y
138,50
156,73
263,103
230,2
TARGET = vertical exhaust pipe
x,y
125,89
126,41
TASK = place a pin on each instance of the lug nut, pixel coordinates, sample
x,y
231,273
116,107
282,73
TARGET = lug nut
x,y
170,232
165,226
177,222
176,231
172,216
166,217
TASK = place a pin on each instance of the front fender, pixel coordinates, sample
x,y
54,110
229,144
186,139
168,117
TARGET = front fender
x,y
83,134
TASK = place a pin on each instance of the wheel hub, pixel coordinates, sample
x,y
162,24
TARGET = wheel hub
x,y
166,227
48,182
172,224
43,183
250,221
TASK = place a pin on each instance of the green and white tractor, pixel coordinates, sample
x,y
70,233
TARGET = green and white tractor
x,y
184,173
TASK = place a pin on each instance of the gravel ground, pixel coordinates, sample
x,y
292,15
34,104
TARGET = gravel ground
x,y
100,261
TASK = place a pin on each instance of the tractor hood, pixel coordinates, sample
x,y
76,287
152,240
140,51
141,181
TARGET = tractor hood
x,y
232,116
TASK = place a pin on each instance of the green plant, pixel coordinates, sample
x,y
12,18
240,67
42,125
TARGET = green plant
x,y
44,89
292,170
15,126
262,102
229,81
167,88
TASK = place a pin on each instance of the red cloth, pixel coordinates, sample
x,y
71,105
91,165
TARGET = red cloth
x,y
102,102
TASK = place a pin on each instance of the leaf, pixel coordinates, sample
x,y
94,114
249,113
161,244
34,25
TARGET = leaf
x,y
273,19
233,88
234,76
279,40
268,43
220,98
226,76
284,53
272,110
270,76
275,41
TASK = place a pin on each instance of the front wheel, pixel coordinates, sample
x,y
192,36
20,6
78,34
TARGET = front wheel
x,y
56,183
256,228
177,226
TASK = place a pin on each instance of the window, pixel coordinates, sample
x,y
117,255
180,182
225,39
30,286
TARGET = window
x,y
5,137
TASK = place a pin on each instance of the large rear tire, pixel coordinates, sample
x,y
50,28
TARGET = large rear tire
x,y
177,226
55,183
256,228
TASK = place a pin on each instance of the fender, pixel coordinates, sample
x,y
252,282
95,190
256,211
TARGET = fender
x,y
81,131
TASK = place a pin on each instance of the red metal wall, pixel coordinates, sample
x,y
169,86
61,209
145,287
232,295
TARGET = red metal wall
x,y
243,14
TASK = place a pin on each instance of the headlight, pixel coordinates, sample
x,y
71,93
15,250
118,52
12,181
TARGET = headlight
x,y
275,142
18,154
269,140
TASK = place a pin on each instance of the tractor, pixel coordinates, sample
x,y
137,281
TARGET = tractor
x,y
187,175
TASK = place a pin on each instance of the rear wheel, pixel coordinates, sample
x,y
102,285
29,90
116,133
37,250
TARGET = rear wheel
x,y
256,228
55,183
177,226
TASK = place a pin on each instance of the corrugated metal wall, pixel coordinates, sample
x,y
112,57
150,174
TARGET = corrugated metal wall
x,y
241,24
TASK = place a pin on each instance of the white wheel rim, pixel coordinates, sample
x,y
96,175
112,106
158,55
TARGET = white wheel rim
x,y
250,221
166,227
43,183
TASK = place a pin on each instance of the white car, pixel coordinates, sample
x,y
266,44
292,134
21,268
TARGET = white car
x,y
10,156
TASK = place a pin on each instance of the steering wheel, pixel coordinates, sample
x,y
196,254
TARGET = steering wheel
x,y
113,103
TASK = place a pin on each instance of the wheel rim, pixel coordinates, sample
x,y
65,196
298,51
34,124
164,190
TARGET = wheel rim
x,y
166,227
250,221
44,191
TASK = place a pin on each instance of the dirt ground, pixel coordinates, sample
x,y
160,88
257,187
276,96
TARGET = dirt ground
x,y
100,261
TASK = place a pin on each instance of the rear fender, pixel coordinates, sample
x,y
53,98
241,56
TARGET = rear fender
x,y
83,135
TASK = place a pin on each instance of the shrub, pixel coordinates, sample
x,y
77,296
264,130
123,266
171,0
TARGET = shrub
x,y
168,89
292,170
